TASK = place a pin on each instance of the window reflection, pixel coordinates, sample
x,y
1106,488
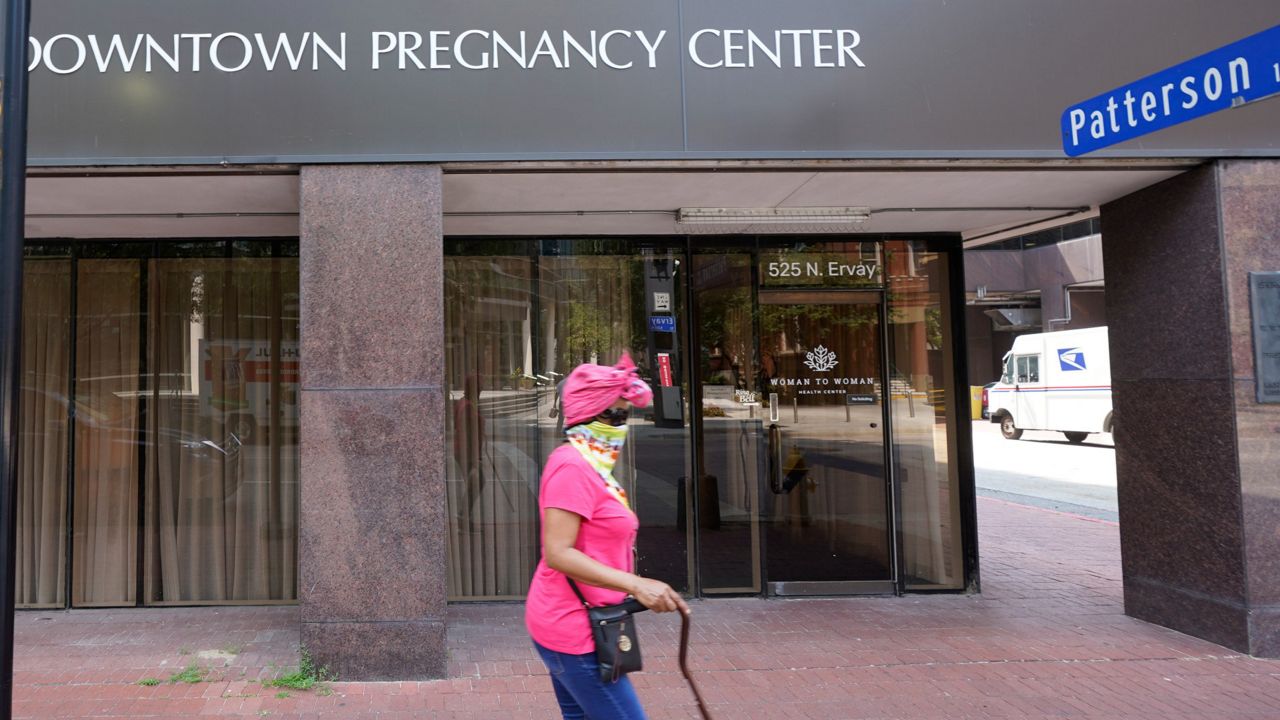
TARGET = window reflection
x,y
924,415
520,315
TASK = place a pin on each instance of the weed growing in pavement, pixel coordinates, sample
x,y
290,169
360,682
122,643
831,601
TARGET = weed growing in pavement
x,y
233,649
307,676
149,682
190,674
282,695
184,650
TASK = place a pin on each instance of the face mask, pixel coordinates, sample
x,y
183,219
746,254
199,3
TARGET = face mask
x,y
600,444
614,434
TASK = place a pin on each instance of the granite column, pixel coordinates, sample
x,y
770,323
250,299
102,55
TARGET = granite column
x,y
1197,457
372,537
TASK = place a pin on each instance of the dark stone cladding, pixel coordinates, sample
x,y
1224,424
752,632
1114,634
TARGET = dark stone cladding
x,y
1165,298
1178,483
1196,456
372,556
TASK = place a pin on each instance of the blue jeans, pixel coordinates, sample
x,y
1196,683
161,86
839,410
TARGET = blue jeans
x,y
582,694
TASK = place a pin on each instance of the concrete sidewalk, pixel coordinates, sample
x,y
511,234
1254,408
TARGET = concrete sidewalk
x,y
1046,639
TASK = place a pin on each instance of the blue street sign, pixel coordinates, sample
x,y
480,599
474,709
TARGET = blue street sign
x,y
1244,71
662,323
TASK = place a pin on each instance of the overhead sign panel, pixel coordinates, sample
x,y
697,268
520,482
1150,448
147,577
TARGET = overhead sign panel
x,y
1242,72
245,81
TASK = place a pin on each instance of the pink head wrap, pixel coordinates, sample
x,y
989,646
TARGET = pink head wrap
x,y
591,389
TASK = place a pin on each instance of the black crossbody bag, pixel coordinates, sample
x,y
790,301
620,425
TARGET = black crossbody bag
x,y
614,631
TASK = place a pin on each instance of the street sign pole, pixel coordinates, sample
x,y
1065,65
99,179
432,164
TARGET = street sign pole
x,y
13,173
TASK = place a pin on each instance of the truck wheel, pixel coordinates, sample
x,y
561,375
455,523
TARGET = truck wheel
x,y
1007,428
1075,438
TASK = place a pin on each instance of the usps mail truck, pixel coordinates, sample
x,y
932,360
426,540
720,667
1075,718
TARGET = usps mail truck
x,y
1058,381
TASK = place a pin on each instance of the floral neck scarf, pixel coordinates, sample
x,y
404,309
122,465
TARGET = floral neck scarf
x,y
599,444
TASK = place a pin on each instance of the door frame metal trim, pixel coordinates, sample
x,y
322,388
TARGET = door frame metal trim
x,y
832,587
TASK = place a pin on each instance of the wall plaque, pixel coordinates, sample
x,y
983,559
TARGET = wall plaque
x,y
1264,300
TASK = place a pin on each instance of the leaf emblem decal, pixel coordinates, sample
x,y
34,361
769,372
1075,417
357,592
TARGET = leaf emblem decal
x,y
821,359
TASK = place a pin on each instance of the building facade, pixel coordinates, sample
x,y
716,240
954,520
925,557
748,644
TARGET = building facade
x,y
299,292
1037,282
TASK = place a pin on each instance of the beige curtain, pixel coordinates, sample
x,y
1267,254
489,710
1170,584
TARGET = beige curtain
x,y
222,482
492,426
108,365
42,444
514,328
921,355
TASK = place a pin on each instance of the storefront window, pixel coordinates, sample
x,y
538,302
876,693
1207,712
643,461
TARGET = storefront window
x,y
222,475
495,404
925,406
44,430
109,448
799,353
520,315
731,429
184,455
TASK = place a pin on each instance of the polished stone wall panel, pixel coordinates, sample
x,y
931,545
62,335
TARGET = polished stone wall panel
x,y
372,276
373,554
1179,498
1165,296
1258,430
373,513
1264,632
408,650
1198,459
1251,237
1204,617
1181,533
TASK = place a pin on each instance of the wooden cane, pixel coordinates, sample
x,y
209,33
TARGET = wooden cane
x,y
684,665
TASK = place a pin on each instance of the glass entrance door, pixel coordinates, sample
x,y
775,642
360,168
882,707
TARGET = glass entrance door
x,y
792,494
826,503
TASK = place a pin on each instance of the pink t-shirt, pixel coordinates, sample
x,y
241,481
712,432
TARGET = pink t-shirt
x,y
554,615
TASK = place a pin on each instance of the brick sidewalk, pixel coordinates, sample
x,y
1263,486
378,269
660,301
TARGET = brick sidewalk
x,y
1046,639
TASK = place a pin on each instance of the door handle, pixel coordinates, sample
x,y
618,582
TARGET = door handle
x,y
775,459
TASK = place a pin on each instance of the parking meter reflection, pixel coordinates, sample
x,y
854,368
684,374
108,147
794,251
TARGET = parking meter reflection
x,y
661,273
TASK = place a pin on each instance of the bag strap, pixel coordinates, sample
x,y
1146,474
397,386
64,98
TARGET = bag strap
x,y
578,592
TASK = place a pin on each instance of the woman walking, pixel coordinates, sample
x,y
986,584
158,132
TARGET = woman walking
x,y
588,533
